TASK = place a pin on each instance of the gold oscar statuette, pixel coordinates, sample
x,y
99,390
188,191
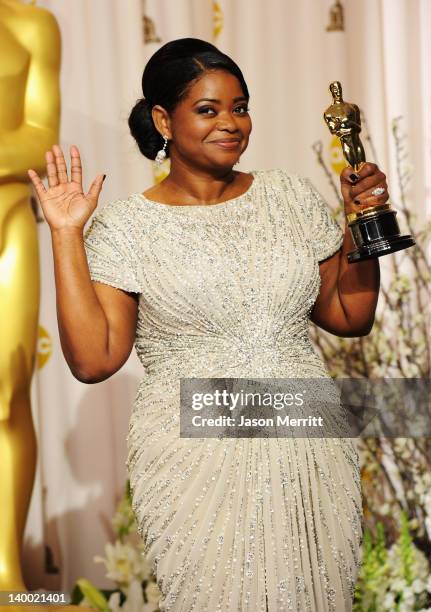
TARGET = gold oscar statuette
x,y
30,54
374,229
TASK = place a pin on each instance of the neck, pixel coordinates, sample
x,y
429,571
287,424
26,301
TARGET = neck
x,y
198,186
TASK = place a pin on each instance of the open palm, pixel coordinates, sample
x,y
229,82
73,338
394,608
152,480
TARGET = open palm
x,y
64,202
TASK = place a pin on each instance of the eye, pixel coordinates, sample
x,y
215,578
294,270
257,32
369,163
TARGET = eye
x,y
244,108
203,110
239,110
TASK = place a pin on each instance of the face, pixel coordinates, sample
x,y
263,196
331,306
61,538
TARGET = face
x,y
335,89
211,126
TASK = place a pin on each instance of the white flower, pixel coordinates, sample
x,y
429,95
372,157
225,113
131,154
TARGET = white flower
x,y
405,607
414,523
420,569
135,598
408,601
146,570
134,601
418,586
123,563
114,602
389,601
152,592
428,524
398,585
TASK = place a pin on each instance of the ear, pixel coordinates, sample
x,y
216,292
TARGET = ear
x,y
162,121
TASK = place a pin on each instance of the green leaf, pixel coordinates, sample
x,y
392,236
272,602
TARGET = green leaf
x,y
76,596
405,542
93,595
128,492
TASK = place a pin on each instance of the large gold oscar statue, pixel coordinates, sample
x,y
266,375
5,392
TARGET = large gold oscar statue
x,y
30,53
29,121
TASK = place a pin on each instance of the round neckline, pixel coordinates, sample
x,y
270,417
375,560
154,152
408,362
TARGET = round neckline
x,y
201,206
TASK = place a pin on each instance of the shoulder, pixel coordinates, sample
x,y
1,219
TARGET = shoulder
x,y
34,27
28,14
284,179
120,207
298,190
122,214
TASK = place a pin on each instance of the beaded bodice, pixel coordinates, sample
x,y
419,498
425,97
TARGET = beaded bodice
x,y
224,288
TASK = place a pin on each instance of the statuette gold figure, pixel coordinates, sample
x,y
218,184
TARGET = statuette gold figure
x,y
29,122
344,120
375,230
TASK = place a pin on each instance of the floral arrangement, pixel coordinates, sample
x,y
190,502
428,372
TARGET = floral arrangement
x,y
396,473
135,589
394,579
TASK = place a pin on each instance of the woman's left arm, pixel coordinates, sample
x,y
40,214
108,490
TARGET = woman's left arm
x,y
349,292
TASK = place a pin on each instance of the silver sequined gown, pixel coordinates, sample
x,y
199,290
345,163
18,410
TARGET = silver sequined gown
x,y
226,290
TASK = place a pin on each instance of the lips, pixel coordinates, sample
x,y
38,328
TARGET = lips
x,y
227,143
226,140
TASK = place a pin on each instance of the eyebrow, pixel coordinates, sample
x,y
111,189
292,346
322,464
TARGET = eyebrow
x,y
238,99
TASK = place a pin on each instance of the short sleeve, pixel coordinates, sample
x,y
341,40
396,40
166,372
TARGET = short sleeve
x,y
326,234
109,244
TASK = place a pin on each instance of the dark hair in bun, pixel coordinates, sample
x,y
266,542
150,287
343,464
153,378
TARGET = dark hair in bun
x,y
167,77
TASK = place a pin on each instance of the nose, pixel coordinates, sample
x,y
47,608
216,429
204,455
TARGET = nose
x,y
226,122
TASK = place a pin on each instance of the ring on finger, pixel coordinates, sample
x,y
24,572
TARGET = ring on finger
x,y
378,191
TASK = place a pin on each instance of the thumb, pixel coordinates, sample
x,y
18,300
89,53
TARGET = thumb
x,y
96,187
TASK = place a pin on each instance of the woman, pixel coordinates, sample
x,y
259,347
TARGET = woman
x,y
216,273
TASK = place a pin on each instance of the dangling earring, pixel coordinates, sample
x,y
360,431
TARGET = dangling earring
x,y
161,155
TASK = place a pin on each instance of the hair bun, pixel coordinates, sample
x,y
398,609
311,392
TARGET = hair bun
x,y
143,106
143,130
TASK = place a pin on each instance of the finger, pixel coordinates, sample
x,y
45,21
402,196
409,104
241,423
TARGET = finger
x,y
367,170
96,187
38,185
349,176
51,169
76,166
373,190
373,197
366,185
373,201
352,177
60,163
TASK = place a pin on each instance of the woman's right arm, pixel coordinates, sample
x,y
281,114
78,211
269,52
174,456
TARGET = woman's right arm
x,y
96,322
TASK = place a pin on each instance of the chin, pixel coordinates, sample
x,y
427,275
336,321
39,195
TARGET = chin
x,y
225,160
226,165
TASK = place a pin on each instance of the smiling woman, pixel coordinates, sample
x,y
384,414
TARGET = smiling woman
x,y
200,105
215,273
213,130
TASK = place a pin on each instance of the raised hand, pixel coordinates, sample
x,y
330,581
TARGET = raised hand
x,y
365,188
64,202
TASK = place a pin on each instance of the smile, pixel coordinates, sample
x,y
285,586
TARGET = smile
x,y
227,144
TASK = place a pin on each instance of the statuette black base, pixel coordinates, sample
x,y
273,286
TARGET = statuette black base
x,y
375,235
